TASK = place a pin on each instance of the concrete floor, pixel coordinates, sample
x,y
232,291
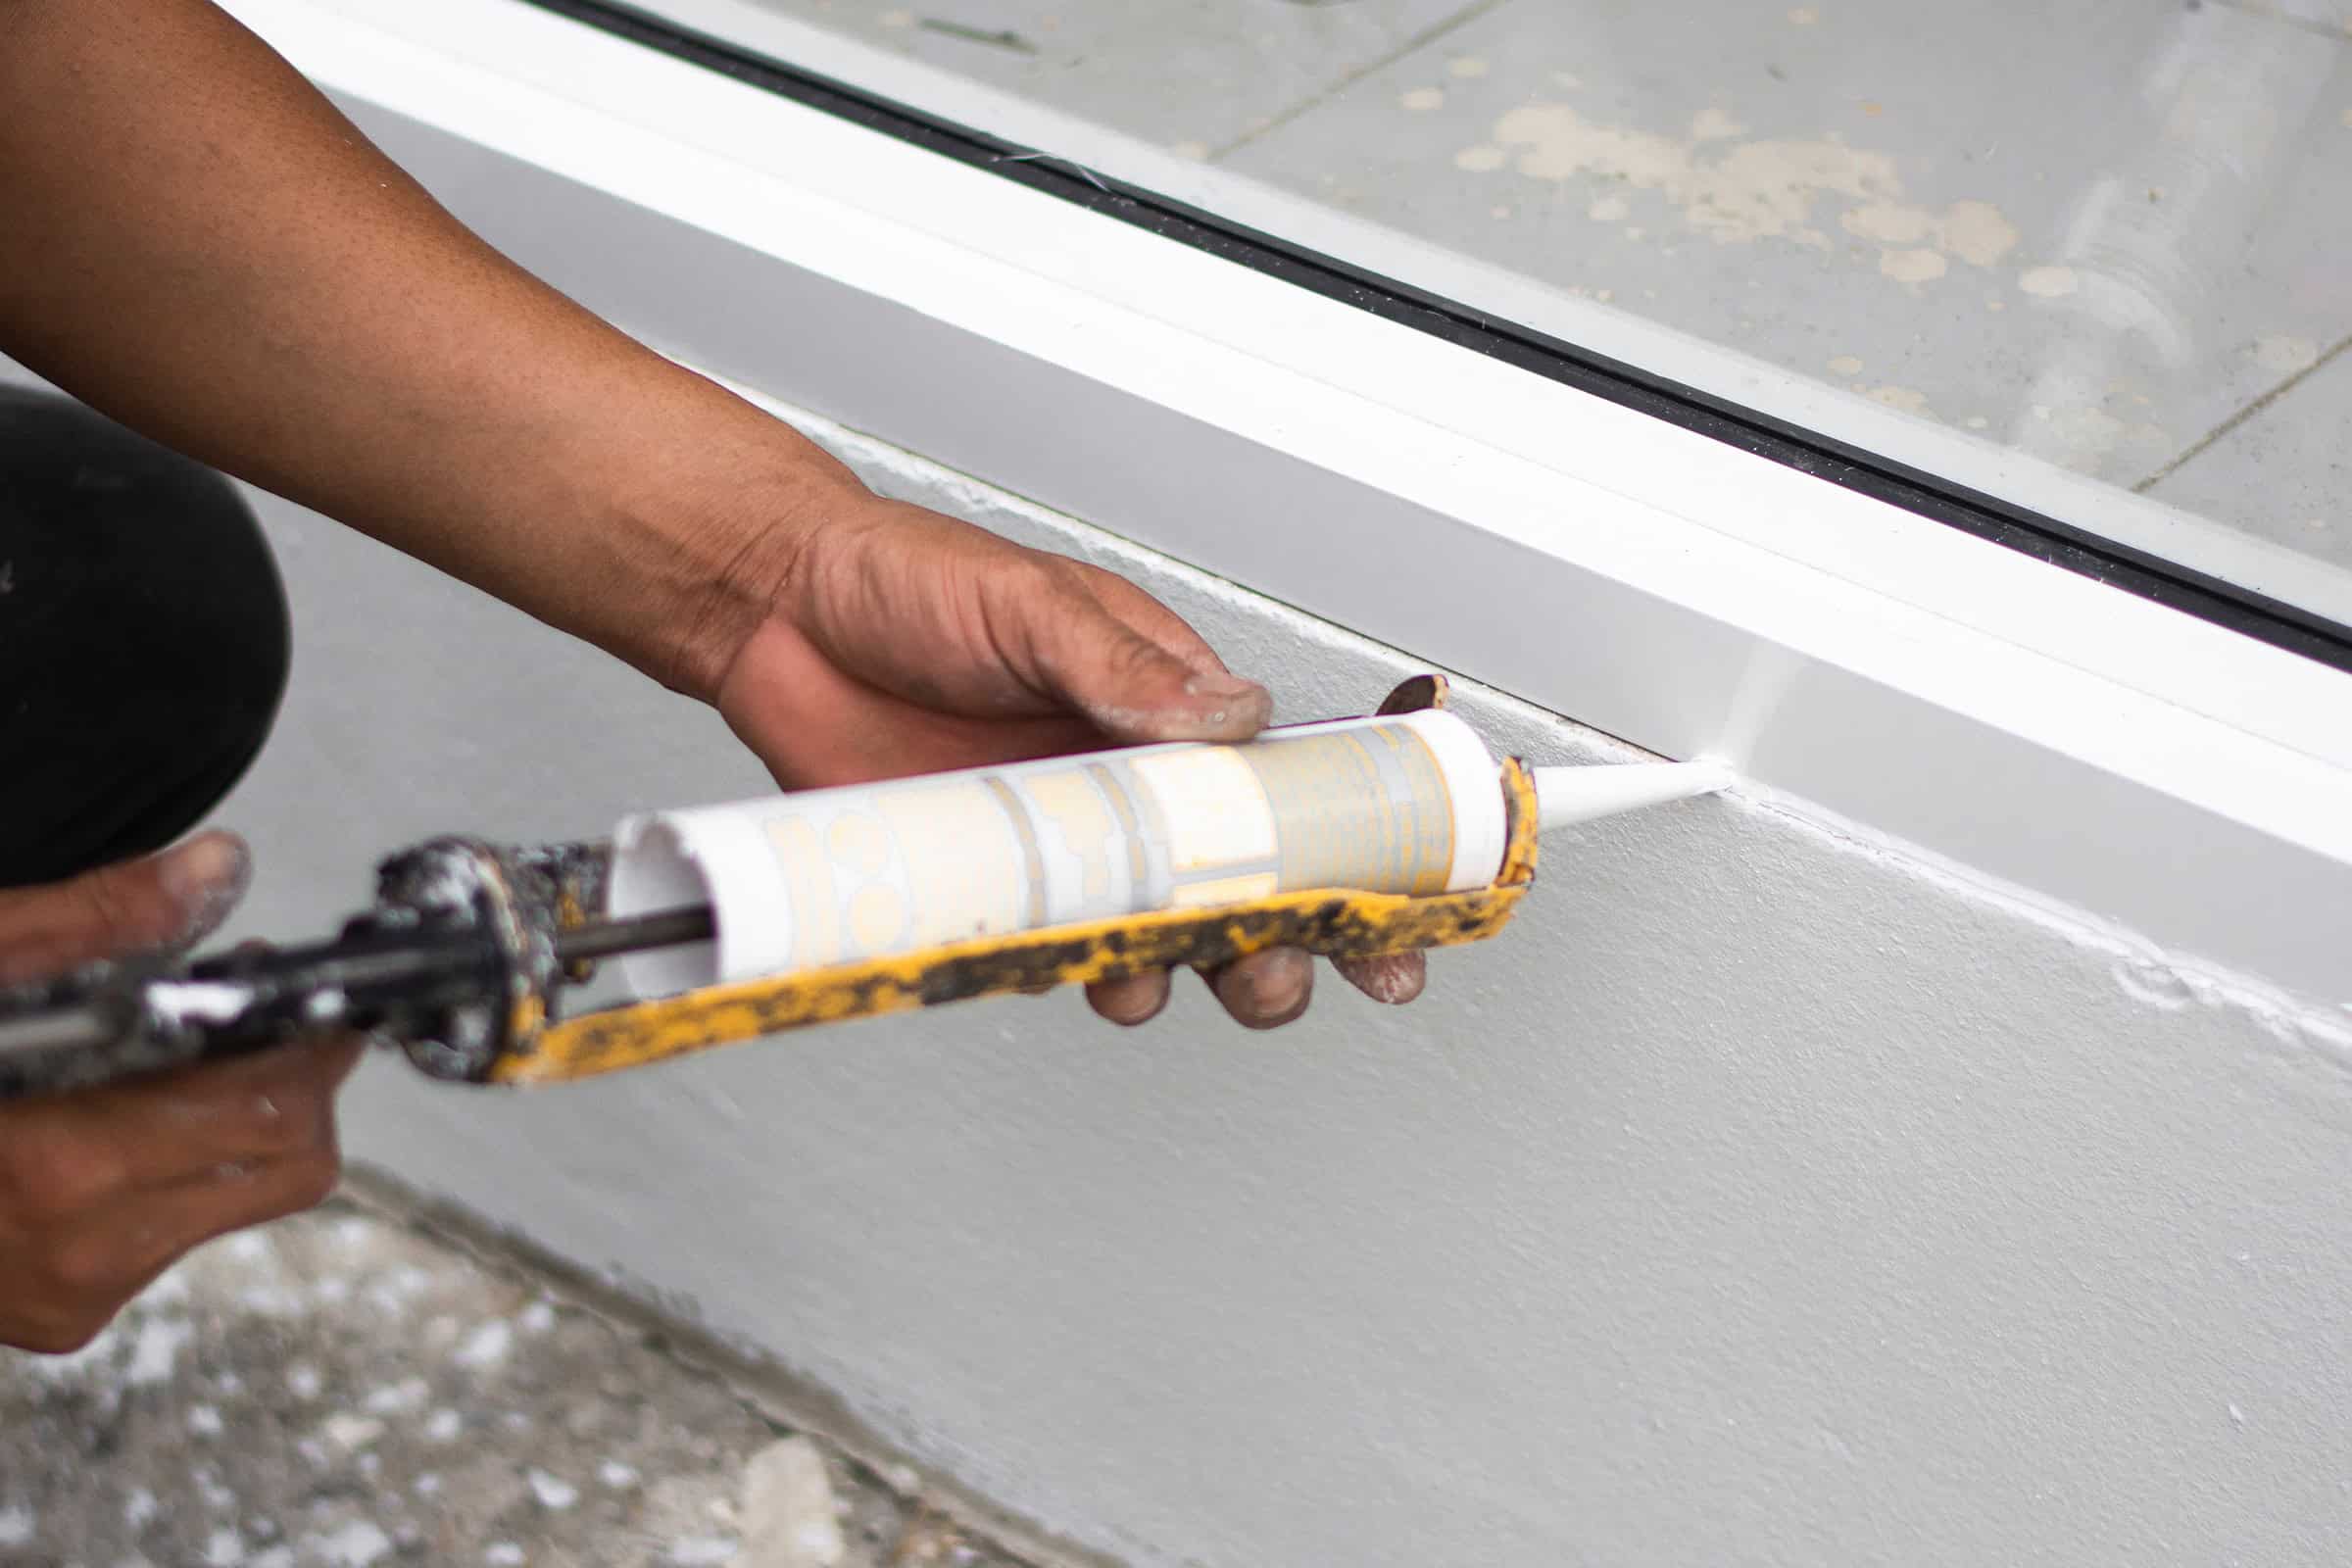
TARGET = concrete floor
x,y
2112,235
344,1390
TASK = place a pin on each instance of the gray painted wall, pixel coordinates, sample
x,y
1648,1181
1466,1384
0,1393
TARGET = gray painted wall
x,y
1761,1197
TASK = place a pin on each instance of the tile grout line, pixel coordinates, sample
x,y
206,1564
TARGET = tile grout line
x,y
1413,45
2239,417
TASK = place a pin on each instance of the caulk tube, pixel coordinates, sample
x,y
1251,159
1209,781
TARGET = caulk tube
x,y
1409,803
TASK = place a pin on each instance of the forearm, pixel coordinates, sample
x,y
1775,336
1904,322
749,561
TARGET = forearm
x,y
197,243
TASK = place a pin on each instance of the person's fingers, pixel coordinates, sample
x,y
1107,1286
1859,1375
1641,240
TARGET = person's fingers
x,y
1055,630
102,1189
86,1276
1391,977
164,901
1148,615
1265,989
162,1131
1137,999
816,727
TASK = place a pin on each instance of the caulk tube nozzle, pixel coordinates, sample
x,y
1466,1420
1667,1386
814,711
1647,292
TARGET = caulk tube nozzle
x,y
1565,795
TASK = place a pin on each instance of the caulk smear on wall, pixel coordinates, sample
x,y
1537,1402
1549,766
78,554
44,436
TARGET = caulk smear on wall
x,y
2167,981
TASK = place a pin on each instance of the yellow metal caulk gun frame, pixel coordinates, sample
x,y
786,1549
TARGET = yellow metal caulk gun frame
x,y
463,960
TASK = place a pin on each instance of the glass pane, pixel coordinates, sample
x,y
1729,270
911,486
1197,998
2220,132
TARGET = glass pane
x,y
2113,236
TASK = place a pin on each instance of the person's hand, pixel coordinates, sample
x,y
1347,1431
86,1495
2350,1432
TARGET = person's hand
x,y
899,641
102,1187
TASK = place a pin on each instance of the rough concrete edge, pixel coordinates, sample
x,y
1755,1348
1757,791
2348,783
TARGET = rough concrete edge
x,y
772,1390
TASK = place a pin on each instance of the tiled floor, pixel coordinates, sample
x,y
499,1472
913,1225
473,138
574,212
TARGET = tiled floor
x,y
2102,231
2285,469
1196,74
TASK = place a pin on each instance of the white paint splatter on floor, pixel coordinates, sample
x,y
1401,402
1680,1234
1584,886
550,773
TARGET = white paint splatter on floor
x,y
355,1545
1914,265
551,1491
156,1351
1736,191
2048,282
406,1460
487,1345
1978,233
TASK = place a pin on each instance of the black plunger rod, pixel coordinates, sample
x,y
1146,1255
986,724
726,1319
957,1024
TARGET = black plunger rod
x,y
636,933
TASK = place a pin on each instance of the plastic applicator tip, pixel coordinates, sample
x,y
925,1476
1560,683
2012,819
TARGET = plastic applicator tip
x,y
1566,795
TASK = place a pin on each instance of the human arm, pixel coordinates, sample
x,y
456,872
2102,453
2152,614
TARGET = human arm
x,y
202,246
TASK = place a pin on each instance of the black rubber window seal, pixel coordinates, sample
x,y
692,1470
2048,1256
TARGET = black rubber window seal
x,y
2032,533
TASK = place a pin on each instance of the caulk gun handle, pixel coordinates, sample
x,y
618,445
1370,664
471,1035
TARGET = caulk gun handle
x,y
124,1020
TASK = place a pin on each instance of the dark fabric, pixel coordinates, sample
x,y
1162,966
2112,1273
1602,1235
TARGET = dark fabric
x,y
143,640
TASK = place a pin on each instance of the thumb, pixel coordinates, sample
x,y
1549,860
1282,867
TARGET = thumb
x,y
1130,687
164,901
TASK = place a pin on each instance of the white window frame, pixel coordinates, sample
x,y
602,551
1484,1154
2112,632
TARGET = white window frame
x,y
2184,783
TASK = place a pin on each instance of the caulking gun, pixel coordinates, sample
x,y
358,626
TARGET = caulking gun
x,y
1350,838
